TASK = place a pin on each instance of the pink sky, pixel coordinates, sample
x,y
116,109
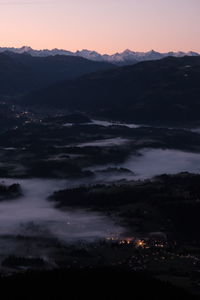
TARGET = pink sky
x,y
106,26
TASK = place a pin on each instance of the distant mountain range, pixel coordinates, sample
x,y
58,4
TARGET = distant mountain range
x,y
21,73
166,90
125,58
159,90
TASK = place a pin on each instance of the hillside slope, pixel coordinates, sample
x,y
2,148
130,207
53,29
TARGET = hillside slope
x,y
21,73
164,90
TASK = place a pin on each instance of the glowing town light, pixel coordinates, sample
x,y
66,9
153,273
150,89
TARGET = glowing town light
x,y
140,243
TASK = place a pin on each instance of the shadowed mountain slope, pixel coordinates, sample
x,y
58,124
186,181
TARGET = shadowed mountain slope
x,y
163,90
20,73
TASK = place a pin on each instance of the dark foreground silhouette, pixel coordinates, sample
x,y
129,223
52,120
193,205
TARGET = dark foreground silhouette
x,y
88,284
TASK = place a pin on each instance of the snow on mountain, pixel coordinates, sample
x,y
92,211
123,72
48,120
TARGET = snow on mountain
x,y
93,55
124,58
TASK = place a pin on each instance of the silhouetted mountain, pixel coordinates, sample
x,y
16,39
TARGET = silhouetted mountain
x,y
20,73
163,90
126,57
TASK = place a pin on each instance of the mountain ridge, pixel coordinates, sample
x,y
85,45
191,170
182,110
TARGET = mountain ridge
x,y
124,58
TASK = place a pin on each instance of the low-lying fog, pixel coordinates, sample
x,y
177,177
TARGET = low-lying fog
x,y
154,162
32,215
158,161
104,124
105,142
109,123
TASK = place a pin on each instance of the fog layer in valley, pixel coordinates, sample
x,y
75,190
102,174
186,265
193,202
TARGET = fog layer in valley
x,y
158,161
27,221
33,215
152,162
105,124
105,143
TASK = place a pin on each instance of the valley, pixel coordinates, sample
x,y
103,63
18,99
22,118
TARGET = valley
x,y
89,186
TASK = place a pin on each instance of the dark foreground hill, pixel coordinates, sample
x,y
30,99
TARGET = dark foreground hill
x,y
90,284
21,73
166,90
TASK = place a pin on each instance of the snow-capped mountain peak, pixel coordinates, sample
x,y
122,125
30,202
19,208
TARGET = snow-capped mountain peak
x,y
124,58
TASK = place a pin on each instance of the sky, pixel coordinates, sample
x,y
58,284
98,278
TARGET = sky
x,y
107,26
